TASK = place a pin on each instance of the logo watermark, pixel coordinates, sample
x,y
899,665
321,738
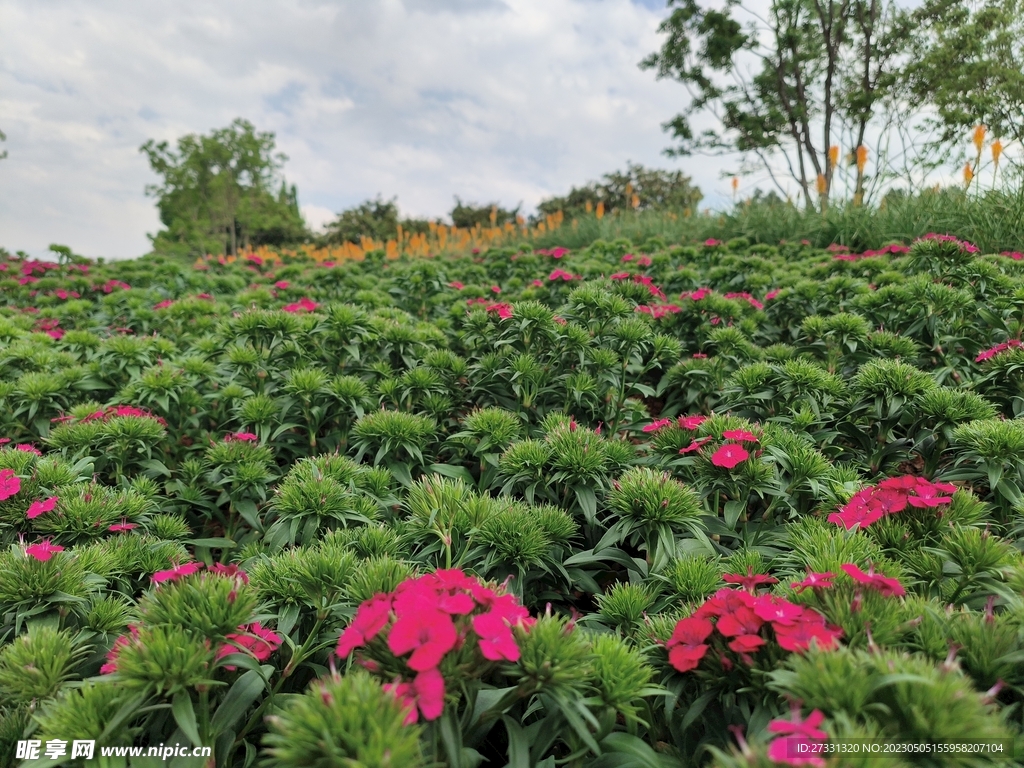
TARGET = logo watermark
x,y
56,749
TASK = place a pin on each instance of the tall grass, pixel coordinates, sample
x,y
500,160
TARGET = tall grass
x,y
993,220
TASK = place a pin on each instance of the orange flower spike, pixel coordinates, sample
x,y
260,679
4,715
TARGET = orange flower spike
x,y
997,150
862,158
968,174
735,183
600,209
822,184
979,138
833,156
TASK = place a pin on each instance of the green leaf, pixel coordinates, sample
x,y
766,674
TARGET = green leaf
x,y
239,698
185,716
458,473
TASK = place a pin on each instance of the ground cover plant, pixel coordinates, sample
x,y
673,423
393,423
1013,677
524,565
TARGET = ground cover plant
x,y
639,503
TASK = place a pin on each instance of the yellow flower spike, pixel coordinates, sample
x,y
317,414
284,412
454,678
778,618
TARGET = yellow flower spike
x,y
600,209
822,184
833,155
968,174
979,138
635,202
997,150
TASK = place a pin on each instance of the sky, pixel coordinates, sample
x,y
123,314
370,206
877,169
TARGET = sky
x,y
506,101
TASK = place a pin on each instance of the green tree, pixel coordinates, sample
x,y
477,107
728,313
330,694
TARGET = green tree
x,y
801,78
376,218
468,215
655,190
969,63
216,191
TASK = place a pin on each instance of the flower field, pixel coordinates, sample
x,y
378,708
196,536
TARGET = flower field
x,y
634,504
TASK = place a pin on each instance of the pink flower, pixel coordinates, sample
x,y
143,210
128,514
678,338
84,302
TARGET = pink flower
x,y
771,295
751,581
686,646
777,610
123,641
504,310
240,437
799,741
814,581
428,633
121,527
281,284
37,508
28,448
370,619
495,289
163,304
259,641
746,643
231,571
691,422
456,285
43,551
711,242
496,639
429,688
799,635
302,305
177,572
695,445
883,585
740,621
10,483
739,434
729,455
657,425
620,276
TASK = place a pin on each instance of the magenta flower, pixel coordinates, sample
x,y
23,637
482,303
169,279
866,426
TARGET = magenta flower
x,y
657,425
37,508
43,551
691,422
10,484
729,455
177,572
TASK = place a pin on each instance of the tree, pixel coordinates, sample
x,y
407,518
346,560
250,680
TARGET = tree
x,y
216,191
378,219
3,137
969,63
469,215
788,86
649,189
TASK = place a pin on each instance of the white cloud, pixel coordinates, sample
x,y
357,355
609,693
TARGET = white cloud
x,y
493,100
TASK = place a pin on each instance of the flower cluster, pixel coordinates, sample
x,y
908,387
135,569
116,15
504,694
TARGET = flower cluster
x,y
964,245
240,437
641,261
302,305
428,617
896,250
729,453
741,619
561,274
890,496
998,349
129,411
747,298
